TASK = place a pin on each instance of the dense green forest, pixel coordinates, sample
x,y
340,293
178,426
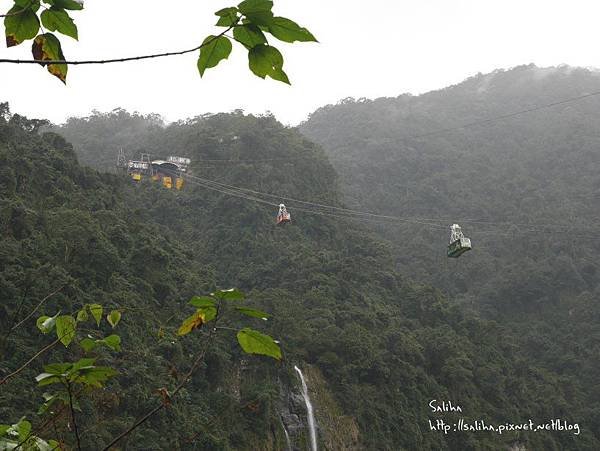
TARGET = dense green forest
x,y
514,337
524,188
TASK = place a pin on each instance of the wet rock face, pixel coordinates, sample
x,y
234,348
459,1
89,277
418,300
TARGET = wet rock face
x,y
292,412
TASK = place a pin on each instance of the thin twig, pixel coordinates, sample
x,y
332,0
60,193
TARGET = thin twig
x,y
49,422
36,308
14,373
117,60
73,415
16,13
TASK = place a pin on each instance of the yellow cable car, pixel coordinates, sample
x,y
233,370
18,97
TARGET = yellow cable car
x,y
167,183
179,182
136,176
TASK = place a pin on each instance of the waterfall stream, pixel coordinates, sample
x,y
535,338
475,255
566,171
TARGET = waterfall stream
x,y
287,437
309,411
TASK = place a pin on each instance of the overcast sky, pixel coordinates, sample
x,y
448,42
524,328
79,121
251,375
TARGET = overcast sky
x,y
367,49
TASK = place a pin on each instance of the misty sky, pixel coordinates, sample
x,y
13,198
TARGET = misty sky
x,y
367,49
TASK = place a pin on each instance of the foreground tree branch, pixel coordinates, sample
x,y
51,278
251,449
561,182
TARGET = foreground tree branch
x,y
116,60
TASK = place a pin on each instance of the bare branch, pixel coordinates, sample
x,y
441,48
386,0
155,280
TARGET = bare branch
x,y
116,60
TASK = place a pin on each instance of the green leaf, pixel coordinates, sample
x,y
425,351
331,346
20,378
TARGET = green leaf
x,y
58,20
227,17
267,60
202,301
213,51
255,6
96,311
68,4
44,379
226,11
57,369
23,428
46,47
113,318
20,27
113,342
45,323
257,12
253,313
249,35
82,364
87,344
289,31
82,315
253,342
232,294
192,322
95,376
210,313
65,329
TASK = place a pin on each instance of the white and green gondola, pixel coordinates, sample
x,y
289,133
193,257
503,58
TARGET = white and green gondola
x,y
459,244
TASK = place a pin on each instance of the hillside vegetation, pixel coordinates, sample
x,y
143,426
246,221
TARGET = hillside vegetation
x,y
376,347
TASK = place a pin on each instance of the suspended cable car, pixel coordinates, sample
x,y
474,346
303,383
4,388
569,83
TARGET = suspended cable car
x,y
283,216
458,243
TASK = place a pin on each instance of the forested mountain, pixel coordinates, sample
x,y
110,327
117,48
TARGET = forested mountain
x,y
524,188
376,346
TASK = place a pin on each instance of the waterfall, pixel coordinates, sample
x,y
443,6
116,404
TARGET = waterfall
x,y
309,410
287,437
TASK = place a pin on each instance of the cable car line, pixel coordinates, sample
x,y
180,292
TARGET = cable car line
x,y
381,219
439,222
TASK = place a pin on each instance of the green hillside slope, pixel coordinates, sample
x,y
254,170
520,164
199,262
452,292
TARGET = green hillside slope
x,y
376,347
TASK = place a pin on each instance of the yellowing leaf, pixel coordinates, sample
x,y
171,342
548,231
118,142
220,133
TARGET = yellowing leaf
x,y
191,323
46,47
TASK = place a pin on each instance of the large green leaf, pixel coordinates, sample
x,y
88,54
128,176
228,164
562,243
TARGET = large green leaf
x,y
253,312
87,344
68,4
96,311
257,12
231,294
57,368
267,60
202,301
20,27
214,50
46,47
85,363
94,376
65,329
289,31
112,341
24,428
255,6
249,35
44,379
227,17
55,19
253,342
